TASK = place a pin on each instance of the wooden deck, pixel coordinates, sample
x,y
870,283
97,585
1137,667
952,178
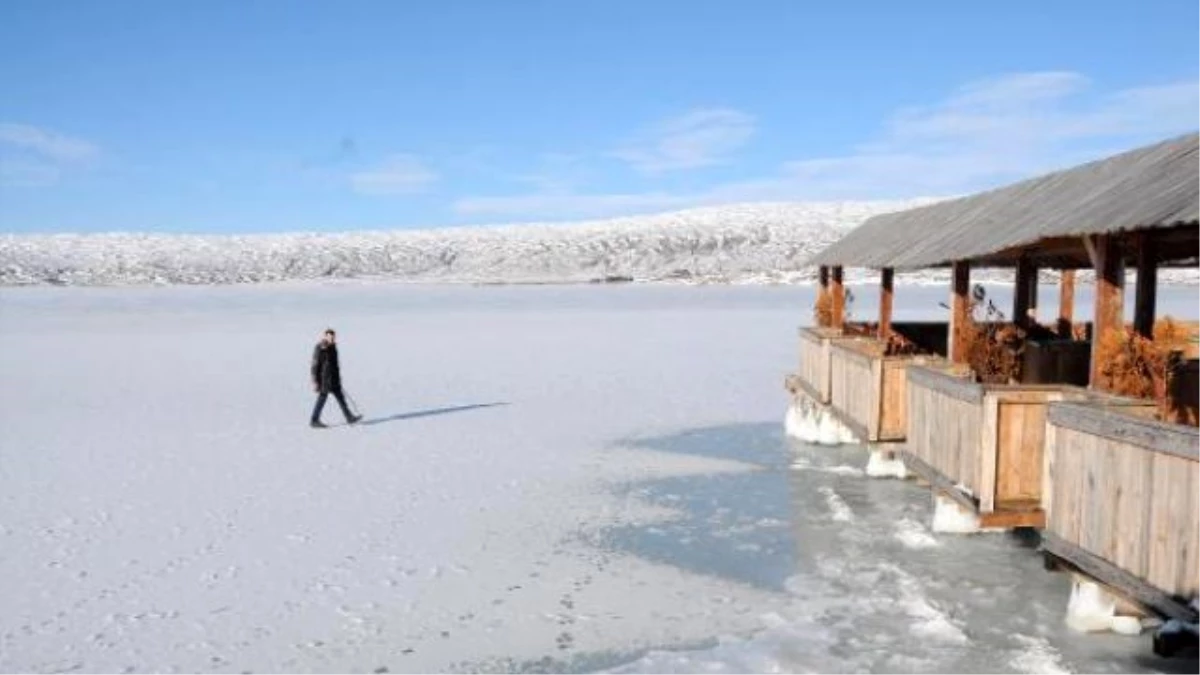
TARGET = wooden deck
x,y
1122,496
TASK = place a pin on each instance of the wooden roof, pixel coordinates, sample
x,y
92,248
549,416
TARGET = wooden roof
x,y
1154,188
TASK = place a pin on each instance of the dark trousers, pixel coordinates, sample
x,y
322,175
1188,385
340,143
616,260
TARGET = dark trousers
x,y
341,399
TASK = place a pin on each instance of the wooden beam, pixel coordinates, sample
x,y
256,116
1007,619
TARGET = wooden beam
x,y
822,293
838,291
1089,245
1110,296
1147,287
960,310
1110,575
1025,293
1179,440
1008,519
1066,303
886,287
958,388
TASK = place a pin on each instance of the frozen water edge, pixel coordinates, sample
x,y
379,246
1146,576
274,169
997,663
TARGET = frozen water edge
x,y
171,517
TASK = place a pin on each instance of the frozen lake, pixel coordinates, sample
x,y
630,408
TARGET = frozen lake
x,y
549,478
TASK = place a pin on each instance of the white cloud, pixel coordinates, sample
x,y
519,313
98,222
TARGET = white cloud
x,y
699,138
45,143
19,173
984,134
398,175
34,157
998,130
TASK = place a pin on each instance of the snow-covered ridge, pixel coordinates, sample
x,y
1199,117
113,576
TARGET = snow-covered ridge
x,y
748,243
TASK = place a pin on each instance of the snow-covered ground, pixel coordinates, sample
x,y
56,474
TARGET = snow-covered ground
x,y
756,243
549,478
740,242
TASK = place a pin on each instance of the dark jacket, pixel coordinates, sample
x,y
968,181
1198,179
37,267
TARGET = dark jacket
x,y
325,371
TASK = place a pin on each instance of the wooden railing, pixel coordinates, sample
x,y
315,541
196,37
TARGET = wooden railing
x,y
855,385
814,363
868,390
989,441
945,418
1121,496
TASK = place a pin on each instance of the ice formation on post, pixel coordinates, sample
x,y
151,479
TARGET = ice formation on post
x,y
811,422
879,465
949,517
1091,609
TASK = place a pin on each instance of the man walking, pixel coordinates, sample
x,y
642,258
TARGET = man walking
x,y
327,379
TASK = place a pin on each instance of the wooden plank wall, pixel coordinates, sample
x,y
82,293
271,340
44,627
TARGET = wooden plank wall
x,y
893,414
1020,443
1135,506
855,387
945,421
814,363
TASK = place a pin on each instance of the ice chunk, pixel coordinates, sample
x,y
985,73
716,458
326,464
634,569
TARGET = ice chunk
x,y
799,423
1127,625
951,518
1091,608
829,431
880,466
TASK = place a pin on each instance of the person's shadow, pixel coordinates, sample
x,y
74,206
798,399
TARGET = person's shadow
x,y
428,413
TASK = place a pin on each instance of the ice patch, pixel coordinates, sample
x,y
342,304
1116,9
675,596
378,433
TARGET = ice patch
x,y
799,424
1091,608
1127,625
1037,656
829,432
949,517
803,464
810,422
838,508
842,470
879,466
913,535
930,622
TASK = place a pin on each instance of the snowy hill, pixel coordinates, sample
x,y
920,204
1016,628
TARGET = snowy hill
x,y
736,243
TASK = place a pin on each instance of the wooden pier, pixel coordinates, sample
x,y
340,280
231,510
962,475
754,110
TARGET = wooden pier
x,y
1027,425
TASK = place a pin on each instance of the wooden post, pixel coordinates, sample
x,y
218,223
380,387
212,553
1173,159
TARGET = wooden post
x,y
960,311
1147,287
823,294
839,299
1108,316
1025,294
886,284
1066,304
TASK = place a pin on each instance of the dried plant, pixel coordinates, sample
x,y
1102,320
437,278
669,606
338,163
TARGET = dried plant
x,y
994,345
898,345
1134,366
823,310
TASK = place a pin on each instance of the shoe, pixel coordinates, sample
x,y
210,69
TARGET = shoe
x,y
317,425
354,419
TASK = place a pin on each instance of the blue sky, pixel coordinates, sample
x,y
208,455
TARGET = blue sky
x,y
220,116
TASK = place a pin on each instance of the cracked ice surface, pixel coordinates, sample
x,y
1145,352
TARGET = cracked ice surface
x,y
553,479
